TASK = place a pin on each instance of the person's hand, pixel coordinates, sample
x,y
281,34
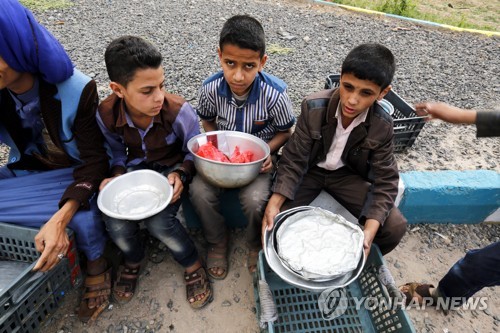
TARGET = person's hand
x,y
175,180
272,209
370,230
105,181
52,239
445,112
267,166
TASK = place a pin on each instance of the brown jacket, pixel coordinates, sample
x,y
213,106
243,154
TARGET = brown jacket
x,y
369,152
93,164
112,113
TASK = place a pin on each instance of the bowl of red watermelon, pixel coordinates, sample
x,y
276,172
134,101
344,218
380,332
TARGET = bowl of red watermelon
x,y
228,159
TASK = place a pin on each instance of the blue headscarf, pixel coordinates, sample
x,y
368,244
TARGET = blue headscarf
x,y
26,46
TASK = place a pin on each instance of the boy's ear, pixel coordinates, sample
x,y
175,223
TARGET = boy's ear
x,y
384,92
263,61
117,88
219,52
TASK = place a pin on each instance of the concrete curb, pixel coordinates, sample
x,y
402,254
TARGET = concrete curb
x,y
440,25
450,196
458,197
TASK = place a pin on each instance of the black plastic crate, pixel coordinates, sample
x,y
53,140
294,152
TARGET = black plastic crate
x,y
33,296
407,124
298,309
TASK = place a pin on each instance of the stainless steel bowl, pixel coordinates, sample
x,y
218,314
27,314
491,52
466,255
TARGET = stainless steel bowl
x,y
135,195
230,175
294,278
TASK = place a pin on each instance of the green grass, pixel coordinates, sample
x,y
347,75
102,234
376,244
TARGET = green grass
x,y
462,15
46,4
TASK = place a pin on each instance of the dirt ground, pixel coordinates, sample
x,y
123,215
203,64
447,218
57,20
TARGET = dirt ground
x,y
160,304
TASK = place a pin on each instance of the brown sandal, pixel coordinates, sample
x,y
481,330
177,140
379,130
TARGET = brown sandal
x,y
253,257
126,283
198,284
217,259
95,286
416,291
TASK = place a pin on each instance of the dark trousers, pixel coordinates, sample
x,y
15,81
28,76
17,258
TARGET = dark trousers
x,y
164,226
478,269
350,190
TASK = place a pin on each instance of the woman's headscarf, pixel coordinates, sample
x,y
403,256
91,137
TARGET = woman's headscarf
x,y
26,46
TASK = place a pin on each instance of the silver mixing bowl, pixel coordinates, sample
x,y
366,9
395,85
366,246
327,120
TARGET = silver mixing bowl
x,y
230,175
297,280
135,195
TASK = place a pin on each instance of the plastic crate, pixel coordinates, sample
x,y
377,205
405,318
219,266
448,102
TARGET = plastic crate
x,y
298,309
33,296
407,124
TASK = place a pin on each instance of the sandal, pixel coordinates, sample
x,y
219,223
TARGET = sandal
x,y
126,283
95,286
217,259
198,284
417,291
253,257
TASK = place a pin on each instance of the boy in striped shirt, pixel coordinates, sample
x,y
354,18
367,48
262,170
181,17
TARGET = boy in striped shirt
x,y
242,98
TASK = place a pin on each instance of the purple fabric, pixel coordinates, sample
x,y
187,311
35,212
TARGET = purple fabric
x,y
31,201
26,46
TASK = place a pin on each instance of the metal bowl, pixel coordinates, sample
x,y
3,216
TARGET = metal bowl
x,y
230,175
293,278
135,195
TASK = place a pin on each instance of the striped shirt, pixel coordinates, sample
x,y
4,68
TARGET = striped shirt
x,y
267,110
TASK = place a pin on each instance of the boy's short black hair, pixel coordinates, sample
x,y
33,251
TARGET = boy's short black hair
x,y
373,62
245,32
126,54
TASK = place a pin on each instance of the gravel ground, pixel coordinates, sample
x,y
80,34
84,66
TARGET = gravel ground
x,y
312,40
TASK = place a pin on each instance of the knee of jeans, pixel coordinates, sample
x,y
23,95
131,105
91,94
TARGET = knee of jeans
x,y
117,226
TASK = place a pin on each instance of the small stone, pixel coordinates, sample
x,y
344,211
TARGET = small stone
x,y
397,265
226,303
110,329
307,39
237,275
171,327
170,304
236,299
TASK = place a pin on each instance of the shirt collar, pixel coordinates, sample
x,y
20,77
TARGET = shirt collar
x,y
224,90
358,120
124,118
26,97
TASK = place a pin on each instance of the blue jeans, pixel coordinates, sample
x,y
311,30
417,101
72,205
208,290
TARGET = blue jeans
x,y
164,226
478,269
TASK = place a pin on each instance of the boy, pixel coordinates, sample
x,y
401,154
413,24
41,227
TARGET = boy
x,y
148,128
57,157
343,143
241,98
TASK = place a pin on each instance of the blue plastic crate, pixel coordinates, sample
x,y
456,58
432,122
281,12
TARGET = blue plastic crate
x,y
31,298
407,124
298,309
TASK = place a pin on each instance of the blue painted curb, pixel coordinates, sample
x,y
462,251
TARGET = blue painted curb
x,y
458,197
450,196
